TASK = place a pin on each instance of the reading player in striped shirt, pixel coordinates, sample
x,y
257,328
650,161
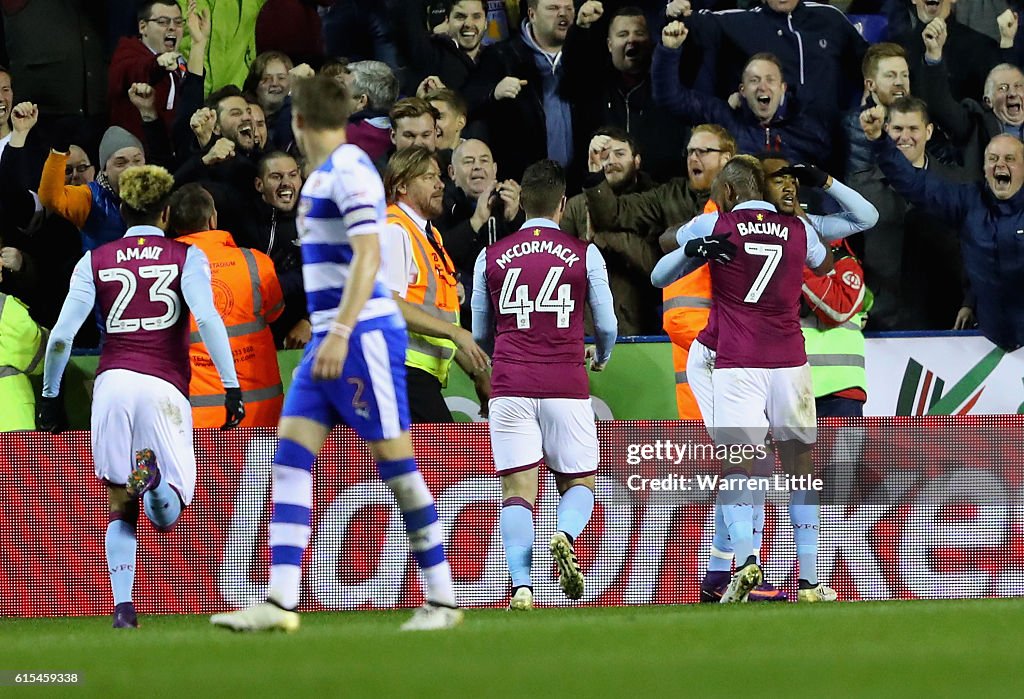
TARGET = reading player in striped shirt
x,y
353,371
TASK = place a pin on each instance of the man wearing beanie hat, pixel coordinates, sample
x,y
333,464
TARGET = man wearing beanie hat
x,y
93,208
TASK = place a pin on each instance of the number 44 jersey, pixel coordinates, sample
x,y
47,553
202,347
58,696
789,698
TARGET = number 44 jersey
x,y
536,284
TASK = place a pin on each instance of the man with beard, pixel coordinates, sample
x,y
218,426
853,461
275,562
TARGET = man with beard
x,y
267,224
413,123
630,256
231,153
886,79
989,215
659,211
608,65
448,58
421,276
924,294
971,126
477,210
769,118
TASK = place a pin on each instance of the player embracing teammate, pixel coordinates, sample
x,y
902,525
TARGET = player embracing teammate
x,y
744,385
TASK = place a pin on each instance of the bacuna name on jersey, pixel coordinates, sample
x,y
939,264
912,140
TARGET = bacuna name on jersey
x,y
763,228
536,246
150,252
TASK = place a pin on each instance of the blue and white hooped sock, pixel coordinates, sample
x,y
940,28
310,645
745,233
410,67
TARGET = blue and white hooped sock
x,y
289,524
426,534
574,510
516,521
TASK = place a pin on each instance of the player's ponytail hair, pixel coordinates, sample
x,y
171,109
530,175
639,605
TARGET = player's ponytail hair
x,y
741,179
145,191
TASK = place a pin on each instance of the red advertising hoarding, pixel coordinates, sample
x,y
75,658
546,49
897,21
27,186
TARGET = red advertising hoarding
x,y
913,507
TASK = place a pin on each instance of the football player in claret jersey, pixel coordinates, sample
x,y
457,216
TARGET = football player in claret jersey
x,y
760,377
784,183
529,291
144,286
353,371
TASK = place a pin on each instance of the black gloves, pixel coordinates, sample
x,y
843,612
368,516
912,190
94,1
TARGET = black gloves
x,y
50,415
235,408
712,247
806,175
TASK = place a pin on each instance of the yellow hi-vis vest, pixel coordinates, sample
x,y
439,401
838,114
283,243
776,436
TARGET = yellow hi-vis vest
x,y
836,354
22,346
435,291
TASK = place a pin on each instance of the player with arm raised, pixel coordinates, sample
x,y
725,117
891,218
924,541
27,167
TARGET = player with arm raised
x,y
537,280
353,370
144,285
753,342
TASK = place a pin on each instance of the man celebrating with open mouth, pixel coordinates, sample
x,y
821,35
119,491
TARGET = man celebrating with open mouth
x,y
153,58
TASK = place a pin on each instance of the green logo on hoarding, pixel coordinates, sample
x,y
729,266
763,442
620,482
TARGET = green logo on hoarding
x,y
921,392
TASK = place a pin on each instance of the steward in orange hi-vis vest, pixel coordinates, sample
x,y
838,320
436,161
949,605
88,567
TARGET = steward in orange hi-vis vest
x,y
248,297
686,306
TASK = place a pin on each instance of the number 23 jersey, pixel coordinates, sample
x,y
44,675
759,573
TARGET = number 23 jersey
x,y
537,282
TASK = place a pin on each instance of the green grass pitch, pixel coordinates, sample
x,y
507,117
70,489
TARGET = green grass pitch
x,y
905,649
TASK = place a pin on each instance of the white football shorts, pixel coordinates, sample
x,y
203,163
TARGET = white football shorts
x,y
747,402
133,411
559,431
699,364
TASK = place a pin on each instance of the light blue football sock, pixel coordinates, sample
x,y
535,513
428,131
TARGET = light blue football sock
x,y
120,545
805,515
757,498
516,522
720,559
162,505
738,512
574,510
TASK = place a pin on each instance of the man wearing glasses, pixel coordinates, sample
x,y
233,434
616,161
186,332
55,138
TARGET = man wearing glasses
x,y
78,169
153,58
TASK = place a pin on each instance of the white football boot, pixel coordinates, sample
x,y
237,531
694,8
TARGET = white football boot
x,y
821,593
431,617
522,600
262,617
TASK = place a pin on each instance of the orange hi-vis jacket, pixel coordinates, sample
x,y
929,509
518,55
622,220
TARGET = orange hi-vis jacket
x,y
685,310
436,293
248,298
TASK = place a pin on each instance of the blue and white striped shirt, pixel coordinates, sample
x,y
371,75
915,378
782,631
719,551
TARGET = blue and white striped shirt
x,y
342,198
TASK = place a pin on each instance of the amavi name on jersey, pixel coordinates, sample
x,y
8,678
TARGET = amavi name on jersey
x,y
150,252
530,247
763,228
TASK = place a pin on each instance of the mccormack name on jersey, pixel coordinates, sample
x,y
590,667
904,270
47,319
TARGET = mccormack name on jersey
x,y
531,247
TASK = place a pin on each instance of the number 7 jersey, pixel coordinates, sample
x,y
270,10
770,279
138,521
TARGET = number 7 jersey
x,y
536,280
755,298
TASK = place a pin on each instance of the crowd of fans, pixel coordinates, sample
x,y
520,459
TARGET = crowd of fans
x,y
638,100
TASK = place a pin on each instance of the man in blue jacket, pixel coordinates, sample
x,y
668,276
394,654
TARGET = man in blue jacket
x,y
991,220
820,50
768,120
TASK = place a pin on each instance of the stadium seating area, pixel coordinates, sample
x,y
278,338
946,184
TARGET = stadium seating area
x,y
520,81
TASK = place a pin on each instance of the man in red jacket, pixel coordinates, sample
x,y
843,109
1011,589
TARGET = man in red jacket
x,y
153,58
